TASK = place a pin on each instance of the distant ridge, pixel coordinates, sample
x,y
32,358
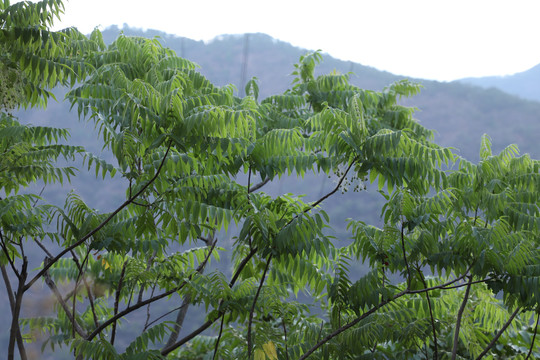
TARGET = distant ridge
x,y
525,84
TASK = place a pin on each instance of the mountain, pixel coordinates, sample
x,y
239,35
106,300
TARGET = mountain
x,y
525,84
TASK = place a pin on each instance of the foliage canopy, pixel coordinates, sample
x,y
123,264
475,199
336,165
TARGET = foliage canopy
x,y
455,233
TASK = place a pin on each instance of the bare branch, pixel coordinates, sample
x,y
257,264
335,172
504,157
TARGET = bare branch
x,y
43,248
313,205
405,257
77,281
285,338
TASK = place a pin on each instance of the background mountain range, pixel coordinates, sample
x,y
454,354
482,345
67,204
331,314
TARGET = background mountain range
x,y
506,108
525,84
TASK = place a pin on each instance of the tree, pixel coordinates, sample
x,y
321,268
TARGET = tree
x,y
455,237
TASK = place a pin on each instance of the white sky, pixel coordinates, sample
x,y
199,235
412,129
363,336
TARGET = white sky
x,y
430,39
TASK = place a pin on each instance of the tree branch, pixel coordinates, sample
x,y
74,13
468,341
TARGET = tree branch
x,y
434,329
216,346
259,185
11,298
138,305
208,323
100,226
405,257
71,316
187,301
372,310
285,338
88,290
252,310
11,263
459,316
117,300
15,329
335,189
501,331
534,337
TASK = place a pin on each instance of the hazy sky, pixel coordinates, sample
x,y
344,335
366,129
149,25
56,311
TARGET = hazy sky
x,y
431,39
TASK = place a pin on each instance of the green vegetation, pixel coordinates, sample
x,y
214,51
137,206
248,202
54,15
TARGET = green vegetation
x,y
453,269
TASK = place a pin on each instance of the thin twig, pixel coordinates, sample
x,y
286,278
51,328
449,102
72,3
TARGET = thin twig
x,y
285,338
148,306
117,299
252,310
71,316
88,290
409,278
534,337
216,346
313,205
49,255
211,240
11,262
435,354
372,310
77,281
459,316
148,266
138,305
501,331
100,226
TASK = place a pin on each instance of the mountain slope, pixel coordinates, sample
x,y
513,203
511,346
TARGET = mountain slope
x,y
525,84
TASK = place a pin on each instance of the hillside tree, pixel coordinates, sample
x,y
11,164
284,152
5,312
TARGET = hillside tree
x,y
197,158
